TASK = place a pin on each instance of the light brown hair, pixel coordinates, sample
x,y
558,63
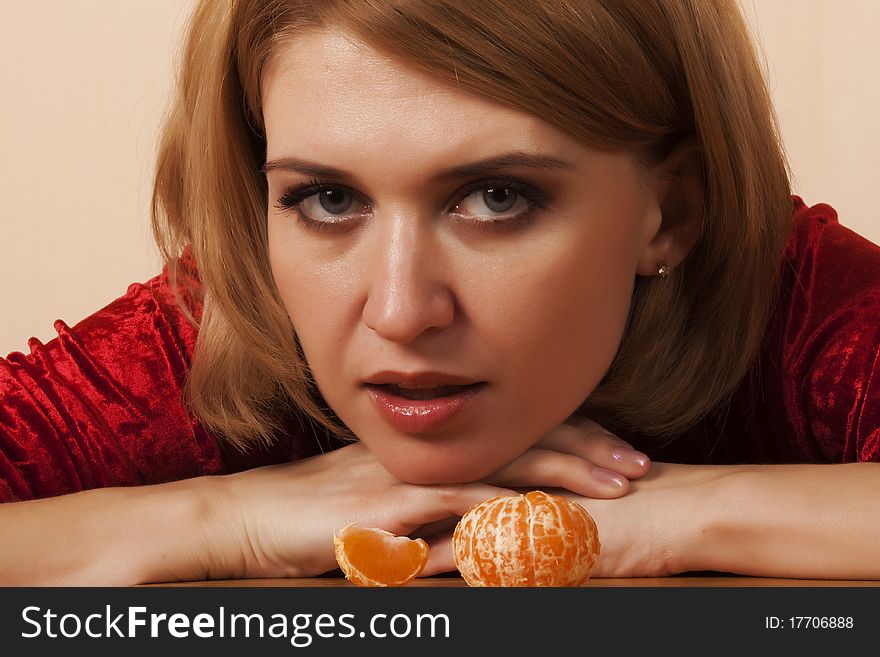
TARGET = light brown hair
x,y
618,75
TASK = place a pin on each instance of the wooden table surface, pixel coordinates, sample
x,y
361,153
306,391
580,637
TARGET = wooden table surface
x,y
689,580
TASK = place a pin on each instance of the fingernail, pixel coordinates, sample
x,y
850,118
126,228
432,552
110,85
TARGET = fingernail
x,y
629,456
609,477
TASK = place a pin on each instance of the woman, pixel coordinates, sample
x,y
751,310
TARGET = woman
x,y
485,242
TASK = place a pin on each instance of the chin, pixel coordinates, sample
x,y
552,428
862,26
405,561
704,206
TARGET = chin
x,y
440,471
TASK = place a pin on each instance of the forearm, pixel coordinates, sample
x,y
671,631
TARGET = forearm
x,y
112,536
804,521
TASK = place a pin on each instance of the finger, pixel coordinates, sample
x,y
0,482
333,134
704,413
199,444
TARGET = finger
x,y
430,505
440,557
445,506
591,442
458,499
450,502
545,468
590,426
438,528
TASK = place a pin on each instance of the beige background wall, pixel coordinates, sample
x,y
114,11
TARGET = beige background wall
x,y
83,84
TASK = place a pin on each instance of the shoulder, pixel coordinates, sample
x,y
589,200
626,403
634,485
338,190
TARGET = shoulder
x,y
826,333
825,261
830,282
149,308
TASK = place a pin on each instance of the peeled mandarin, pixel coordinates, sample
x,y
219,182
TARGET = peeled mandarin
x,y
535,539
374,557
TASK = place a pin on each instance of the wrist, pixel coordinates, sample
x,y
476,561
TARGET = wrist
x,y
701,516
166,532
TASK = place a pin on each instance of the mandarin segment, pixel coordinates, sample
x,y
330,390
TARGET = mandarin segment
x,y
375,557
535,539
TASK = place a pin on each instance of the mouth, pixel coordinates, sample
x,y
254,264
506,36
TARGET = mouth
x,y
423,408
421,393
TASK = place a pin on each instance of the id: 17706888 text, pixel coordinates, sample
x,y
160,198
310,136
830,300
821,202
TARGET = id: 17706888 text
x,y
809,623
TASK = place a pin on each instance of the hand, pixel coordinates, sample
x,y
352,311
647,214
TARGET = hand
x,y
579,456
649,532
278,521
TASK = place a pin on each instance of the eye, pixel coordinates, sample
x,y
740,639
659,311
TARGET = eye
x,y
495,201
322,204
332,201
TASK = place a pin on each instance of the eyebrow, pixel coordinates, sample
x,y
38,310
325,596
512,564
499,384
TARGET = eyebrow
x,y
488,165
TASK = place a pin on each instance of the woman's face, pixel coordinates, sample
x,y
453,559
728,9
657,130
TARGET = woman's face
x,y
458,273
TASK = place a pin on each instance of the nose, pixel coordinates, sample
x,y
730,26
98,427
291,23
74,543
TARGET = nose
x,y
408,288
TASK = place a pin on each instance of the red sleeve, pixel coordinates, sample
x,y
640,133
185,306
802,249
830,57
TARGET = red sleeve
x,y
831,343
100,405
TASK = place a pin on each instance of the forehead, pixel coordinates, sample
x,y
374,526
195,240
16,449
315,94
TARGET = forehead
x,y
324,91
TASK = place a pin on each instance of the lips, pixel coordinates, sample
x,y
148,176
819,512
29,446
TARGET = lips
x,y
420,403
419,379
422,393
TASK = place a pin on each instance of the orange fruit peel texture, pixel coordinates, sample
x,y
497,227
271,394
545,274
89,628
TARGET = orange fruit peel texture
x,y
374,557
535,539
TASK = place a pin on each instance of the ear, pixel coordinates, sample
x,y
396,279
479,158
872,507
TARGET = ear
x,y
678,182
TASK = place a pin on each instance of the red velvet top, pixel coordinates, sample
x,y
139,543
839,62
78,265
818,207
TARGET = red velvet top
x,y
100,404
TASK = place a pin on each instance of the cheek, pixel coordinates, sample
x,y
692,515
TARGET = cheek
x,y
560,318
304,288
286,266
